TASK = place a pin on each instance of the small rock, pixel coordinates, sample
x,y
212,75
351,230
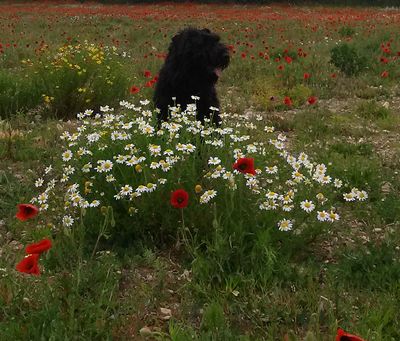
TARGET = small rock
x,y
145,331
386,188
166,311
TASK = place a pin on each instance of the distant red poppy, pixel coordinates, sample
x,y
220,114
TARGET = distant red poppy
x,y
288,59
26,211
384,74
29,265
306,75
39,247
134,89
245,165
149,84
384,60
288,101
281,67
312,100
343,336
179,198
147,73
333,75
243,55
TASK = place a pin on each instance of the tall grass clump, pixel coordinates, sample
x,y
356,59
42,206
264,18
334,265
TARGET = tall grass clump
x,y
348,59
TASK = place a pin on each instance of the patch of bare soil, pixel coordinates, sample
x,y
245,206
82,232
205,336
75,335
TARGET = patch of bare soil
x,y
153,296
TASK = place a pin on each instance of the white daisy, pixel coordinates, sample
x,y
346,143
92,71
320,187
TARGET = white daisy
x,y
271,169
322,215
307,206
285,225
349,196
207,196
67,220
214,161
362,195
67,155
39,182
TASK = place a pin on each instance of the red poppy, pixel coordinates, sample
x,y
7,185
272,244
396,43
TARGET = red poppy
x,y
149,84
243,55
134,89
245,165
39,247
312,100
29,265
384,60
288,59
26,211
179,198
384,74
333,75
343,336
147,73
288,101
306,76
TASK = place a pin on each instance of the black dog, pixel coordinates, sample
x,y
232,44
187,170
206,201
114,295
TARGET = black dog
x,y
193,65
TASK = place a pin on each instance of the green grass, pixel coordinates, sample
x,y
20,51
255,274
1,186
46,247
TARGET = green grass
x,y
227,285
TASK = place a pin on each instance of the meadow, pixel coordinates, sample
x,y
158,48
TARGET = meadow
x,y
281,225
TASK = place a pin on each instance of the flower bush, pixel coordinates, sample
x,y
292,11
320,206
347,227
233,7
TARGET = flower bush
x,y
241,194
66,80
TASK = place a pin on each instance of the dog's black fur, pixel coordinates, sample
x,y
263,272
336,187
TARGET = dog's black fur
x,y
192,67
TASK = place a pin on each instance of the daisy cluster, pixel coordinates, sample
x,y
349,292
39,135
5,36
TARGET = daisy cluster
x,y
120,157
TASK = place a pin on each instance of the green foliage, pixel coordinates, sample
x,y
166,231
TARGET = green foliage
x,y
372,110
299,94
65,83
348,59
388,209
375,267
18,92
265,92
346,31
313,125
77,301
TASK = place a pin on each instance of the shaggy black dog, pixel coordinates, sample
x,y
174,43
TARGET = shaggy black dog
x,y
193,65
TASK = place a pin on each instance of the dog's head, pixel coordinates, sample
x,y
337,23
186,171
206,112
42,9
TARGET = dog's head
x,y
199,50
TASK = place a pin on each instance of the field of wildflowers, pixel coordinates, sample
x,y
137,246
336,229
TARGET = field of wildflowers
x,y
282,224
